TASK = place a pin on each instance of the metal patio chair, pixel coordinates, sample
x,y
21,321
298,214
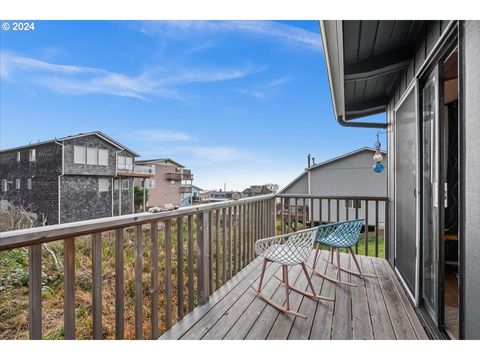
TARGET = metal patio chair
x,y
339,235
287,250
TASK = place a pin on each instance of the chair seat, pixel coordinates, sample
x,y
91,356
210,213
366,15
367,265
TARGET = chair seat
x,y
287,254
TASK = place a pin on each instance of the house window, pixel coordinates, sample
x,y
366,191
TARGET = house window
x,y
18,156
103,185
4,185
115,184
92,156
353,204
150,184
17,184
29,184
79,154
172,183
125,184
32,155
103,157
129,163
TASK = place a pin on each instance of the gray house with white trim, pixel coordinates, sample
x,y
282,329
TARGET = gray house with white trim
x,y
348,175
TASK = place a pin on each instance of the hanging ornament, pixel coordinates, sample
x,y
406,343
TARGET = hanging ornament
x,y
378,167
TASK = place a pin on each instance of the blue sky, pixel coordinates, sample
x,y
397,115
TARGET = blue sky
x,y
238,102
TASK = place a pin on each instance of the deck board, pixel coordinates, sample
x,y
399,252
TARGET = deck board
x,y
377,308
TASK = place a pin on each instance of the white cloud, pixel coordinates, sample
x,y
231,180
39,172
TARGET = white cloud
x,y
266,90
79,80
161,135
282,32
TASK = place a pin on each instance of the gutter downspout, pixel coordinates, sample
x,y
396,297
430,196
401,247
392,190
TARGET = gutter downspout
x,y
59,181
339,40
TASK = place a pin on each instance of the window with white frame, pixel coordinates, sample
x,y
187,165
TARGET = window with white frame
x,y
32,155
172,183
18,156
92,156
353,204
4,185
103,157
17,184
129,162
79,154
150,184
125,184
103,185
29,184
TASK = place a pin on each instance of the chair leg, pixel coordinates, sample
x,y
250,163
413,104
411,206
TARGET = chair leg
x,y
315,259
360,272
262,274
339,276
287,288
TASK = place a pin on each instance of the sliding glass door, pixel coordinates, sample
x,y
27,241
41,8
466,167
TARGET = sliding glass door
x,y
432,196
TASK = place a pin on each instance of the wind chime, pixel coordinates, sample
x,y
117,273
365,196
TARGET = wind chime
x,y
378,166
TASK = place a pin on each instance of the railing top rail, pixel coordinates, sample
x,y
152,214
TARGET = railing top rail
x,y
25,237
333,197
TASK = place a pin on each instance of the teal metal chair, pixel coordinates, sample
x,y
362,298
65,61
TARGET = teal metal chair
x,y
336,236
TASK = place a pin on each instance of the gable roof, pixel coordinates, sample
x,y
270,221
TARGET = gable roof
x,y
329,161
155,161
95,133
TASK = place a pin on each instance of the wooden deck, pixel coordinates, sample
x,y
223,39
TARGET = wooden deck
x,y
376,309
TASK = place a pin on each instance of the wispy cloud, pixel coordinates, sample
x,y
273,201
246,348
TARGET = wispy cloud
x,y
266,90
80,80
160,135
286,34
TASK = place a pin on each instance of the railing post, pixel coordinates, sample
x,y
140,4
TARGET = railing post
x,y
97,286
203,257
35,291
119,286
138,282
69,289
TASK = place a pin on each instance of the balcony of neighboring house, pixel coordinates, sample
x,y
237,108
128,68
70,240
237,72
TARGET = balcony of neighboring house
x,y
194,267
141,171
185,188
179,175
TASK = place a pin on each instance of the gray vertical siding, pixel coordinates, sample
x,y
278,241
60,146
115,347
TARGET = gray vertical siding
x,y
348,176
472,179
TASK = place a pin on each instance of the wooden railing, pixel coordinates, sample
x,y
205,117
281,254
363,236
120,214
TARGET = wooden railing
x,y
299,211
203,246
180,257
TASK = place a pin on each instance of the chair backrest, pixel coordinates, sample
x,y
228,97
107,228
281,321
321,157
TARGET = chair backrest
x,y
302,238
340,234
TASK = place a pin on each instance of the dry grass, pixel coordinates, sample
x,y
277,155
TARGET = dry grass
x,y
14,287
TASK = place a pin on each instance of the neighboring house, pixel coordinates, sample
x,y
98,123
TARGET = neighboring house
x,y
80,177
218,195
191,198
425,75
170,181
256,190
349,174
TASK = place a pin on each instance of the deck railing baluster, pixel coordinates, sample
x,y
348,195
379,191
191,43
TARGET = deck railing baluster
x,y
69,288
97,285
35,291
180,300
119,286
168,274
138,282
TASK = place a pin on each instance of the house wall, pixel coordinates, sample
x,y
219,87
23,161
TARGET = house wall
x,y
471,91
42,199
163,193
81,200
